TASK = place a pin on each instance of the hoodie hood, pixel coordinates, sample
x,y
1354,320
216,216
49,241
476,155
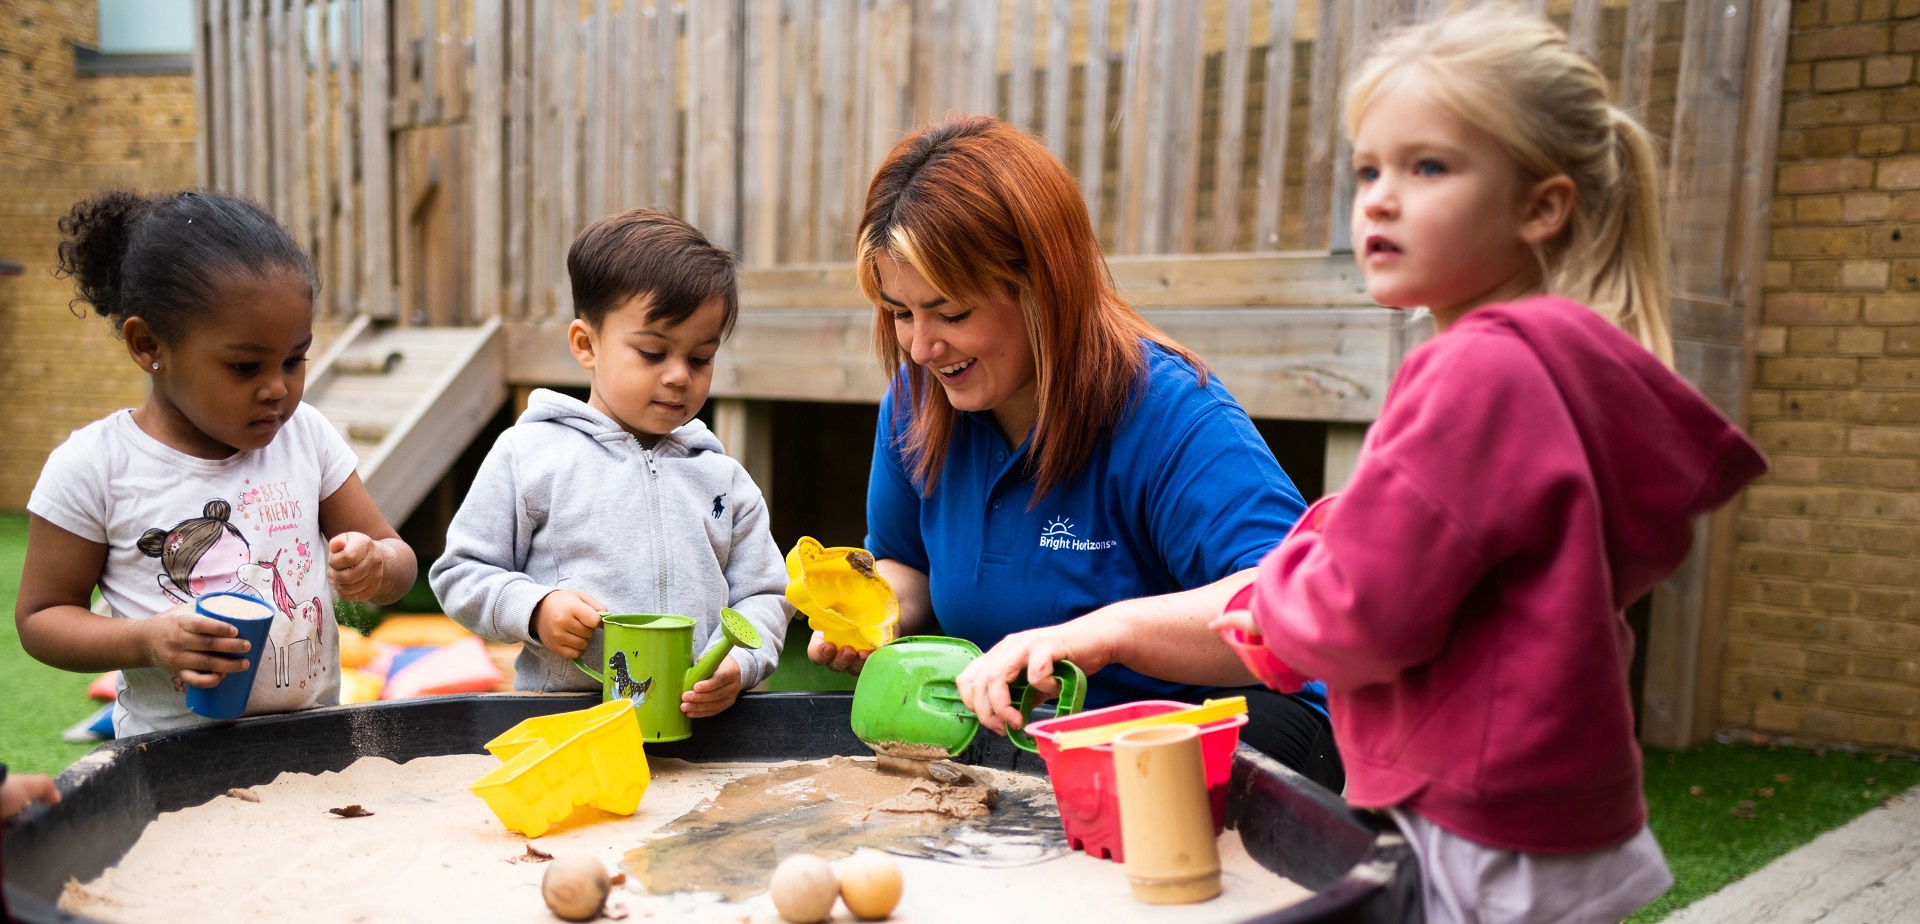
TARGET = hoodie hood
x,y
548,405
1661,453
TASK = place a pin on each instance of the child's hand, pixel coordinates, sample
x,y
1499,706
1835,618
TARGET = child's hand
x,y
1238,613
714,694
356,565
565,621
18,791
1236,619
178,641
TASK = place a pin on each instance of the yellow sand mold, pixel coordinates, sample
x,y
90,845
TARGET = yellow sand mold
x,y
555,762
842,595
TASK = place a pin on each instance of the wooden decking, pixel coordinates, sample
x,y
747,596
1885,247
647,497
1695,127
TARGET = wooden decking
x,y
1864,872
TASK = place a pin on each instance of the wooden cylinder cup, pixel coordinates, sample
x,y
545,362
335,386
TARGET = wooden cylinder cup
x,y
1166,824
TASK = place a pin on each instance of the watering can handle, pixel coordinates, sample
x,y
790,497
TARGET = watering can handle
x,y
598,677
1073,695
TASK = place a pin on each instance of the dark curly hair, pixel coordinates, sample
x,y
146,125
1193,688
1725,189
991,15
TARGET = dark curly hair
x,y
160,257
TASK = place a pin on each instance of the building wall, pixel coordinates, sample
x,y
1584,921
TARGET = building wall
x,y
1824,640
61,137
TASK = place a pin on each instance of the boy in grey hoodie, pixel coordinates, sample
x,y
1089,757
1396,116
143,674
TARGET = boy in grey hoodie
x,y
623,503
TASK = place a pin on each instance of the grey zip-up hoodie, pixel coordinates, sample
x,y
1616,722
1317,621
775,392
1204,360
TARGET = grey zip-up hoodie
x,y
567,500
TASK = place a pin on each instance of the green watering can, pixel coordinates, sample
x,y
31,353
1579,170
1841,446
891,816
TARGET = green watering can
x,y
905,704
649,660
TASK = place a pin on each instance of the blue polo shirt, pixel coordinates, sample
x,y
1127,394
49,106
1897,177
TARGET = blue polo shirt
x,y
1184,493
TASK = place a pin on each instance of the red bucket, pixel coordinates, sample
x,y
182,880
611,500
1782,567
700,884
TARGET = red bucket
x,y
1083,783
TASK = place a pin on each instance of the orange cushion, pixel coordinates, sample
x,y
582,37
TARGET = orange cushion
x,y
355,649
410,629
104,687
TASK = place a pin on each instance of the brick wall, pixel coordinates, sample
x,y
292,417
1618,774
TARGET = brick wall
x,y
62,137
1825,634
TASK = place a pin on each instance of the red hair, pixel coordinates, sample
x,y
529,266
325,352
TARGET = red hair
x,y
983,210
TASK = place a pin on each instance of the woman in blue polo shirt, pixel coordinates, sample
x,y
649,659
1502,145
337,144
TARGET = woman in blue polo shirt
x,y
1053,477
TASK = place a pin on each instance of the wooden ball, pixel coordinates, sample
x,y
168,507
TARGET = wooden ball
x,y
575,887
804,889
870,884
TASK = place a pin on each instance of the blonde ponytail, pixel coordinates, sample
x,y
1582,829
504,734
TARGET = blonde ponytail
x,y
1515,76
1617,261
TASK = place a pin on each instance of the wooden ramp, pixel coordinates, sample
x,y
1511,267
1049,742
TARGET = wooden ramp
x,y
409,400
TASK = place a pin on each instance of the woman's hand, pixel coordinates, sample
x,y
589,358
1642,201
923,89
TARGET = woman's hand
x,y
1090,642
1165,637
840,658
182,643
714,694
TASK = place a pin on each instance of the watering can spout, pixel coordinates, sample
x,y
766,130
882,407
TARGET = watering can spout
x,y
735,630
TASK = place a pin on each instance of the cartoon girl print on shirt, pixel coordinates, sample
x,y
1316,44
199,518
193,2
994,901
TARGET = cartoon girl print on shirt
x,y
208,553
201,555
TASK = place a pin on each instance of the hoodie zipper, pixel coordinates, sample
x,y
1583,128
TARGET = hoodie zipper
x,y
659,540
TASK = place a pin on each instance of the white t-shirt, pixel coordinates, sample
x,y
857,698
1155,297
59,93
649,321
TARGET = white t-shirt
x,y
176,526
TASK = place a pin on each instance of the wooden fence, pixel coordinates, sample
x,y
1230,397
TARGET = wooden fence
x,y
438,155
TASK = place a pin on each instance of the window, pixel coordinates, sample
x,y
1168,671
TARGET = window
x,y
140,37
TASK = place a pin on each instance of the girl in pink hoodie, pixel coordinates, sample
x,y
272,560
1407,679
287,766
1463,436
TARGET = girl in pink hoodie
x,y
1535,469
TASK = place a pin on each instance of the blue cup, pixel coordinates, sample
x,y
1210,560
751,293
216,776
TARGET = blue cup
x,y
253,617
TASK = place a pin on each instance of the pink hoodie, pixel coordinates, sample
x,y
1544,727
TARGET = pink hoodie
x,y
1532,473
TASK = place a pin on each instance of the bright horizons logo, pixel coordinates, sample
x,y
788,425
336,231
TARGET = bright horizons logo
x,y
1059,535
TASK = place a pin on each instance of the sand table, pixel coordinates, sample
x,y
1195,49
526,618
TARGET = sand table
x,y
431,851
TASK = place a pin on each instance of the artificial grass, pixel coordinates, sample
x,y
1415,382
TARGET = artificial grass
x,y
37,702
1724,810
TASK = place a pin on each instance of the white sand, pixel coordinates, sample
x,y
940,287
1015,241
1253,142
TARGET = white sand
x,y
432,851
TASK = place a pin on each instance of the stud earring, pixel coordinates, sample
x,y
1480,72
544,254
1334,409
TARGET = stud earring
x,y
156,367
